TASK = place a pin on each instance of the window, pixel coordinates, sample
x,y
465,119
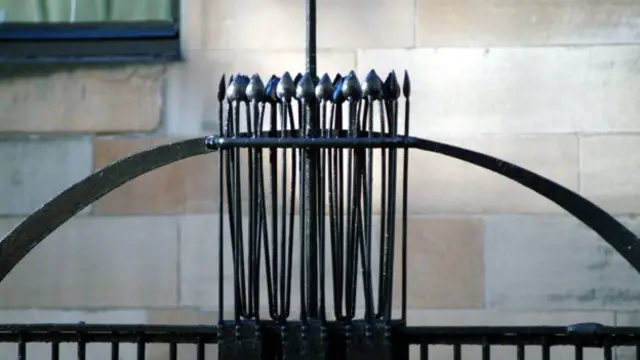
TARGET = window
x,y
89,30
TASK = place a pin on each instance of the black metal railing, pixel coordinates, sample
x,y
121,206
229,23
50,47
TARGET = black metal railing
x,y
456,343
272,158
317,145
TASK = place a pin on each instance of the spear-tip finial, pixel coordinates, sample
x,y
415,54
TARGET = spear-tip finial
x,y
255,89
297,79
391,87
338,96
336,79
271,89
351,88
304,88
372,86
237,90
222,86
285,89
406,85
324,89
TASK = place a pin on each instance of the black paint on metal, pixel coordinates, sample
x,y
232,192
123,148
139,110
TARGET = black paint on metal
x,y
369,340
310,169
333,153
307,340
612,231
238,341
249,342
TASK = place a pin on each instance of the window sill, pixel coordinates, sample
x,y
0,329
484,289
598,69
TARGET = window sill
x,y
141,42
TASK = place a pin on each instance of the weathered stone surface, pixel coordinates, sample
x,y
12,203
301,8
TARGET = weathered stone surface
x,y
33,171
97,100
555,263
526,23
516,90
97,262
445,263
608,172
341,25
192,20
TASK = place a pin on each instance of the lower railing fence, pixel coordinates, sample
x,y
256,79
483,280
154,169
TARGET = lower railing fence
x,y
475,342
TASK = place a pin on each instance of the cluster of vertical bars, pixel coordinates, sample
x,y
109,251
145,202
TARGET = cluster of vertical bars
x,y
343,189
331,191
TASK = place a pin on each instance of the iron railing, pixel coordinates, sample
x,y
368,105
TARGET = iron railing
x,y
312,147
514,343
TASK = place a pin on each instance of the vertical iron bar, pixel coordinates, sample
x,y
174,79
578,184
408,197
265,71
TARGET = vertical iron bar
x,y
292,205
546,350
368,199
322,213
311,38
607,351
263,235
424,351
55,350
578,353
309,172
200,349
221,167
252,234
229,156
520,353
141,348
283,238
486,350
82,348
306,282
239,256
406,91
22,348
383,217
457,352
115,350
273,176
390,235
173,351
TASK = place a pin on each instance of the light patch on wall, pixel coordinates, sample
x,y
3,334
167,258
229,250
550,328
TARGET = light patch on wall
x,y
1,16
72,15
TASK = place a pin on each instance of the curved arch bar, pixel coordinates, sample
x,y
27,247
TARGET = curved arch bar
x,y
611,230
605,225
53,214
28,234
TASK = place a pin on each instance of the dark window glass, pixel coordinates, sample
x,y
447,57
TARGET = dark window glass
x,y
89,30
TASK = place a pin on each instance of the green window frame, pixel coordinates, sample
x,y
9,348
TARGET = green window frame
x,y
63,31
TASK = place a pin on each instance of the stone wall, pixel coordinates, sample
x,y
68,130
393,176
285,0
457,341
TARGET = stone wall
x,y
549,85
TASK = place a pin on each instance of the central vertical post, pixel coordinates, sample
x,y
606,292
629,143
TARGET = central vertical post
x,y
310,174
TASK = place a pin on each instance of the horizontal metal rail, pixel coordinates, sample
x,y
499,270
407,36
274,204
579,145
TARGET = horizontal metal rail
x,y
586,336
458,340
